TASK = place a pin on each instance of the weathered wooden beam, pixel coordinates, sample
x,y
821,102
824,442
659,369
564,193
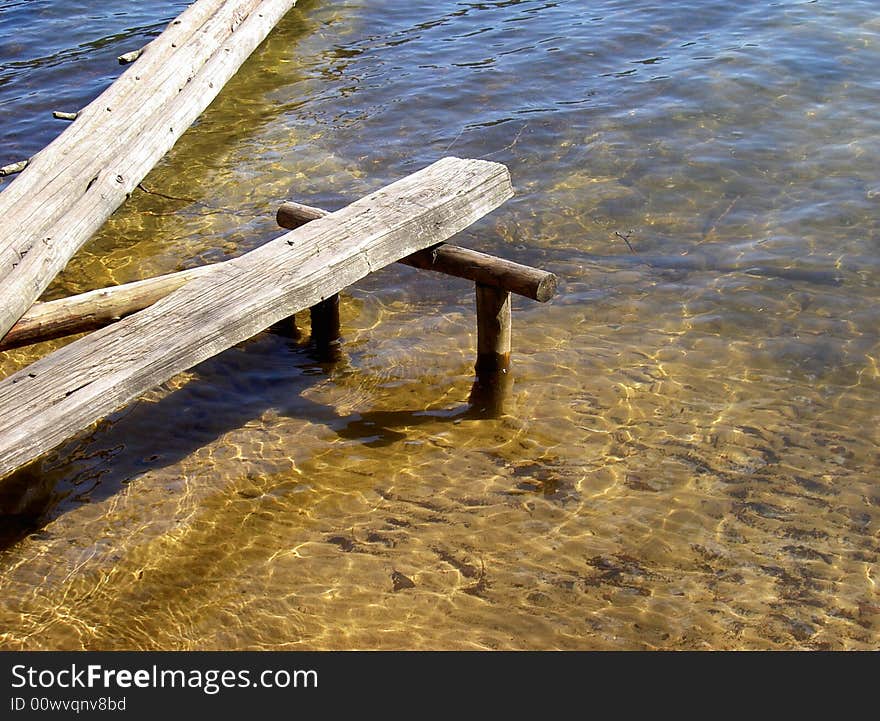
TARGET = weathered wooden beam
x,y
73,185
493,329
452,260
66,391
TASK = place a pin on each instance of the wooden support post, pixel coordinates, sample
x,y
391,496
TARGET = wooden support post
x,y
490,394
68,390
98,308
325,322
285,327
493,329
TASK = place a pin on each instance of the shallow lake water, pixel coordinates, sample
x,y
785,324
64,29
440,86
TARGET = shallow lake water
x,y
686,455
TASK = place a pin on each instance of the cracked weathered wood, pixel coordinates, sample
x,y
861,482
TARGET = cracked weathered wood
x,y
73,185
68,390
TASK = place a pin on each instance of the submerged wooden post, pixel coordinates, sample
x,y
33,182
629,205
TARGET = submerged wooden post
x,y
493,329
324,315
286,327
495,279
325,322
490,394
13,168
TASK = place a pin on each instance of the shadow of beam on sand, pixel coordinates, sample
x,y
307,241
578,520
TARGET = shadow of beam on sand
x,y
226,393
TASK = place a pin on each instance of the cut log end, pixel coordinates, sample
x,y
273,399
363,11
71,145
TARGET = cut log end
x,y
292,215
546,288
128,58
13,168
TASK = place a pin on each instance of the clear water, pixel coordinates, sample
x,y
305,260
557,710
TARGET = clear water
x,y
688,455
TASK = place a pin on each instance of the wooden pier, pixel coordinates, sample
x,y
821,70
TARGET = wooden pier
x,y
147,331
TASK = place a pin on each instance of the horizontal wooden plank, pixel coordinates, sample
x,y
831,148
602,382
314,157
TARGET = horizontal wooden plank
x,y
63,393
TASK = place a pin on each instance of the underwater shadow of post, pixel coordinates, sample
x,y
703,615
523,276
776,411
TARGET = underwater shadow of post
x,y
114,452
488,399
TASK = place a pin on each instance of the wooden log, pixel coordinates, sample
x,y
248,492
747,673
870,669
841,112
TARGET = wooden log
x,y
493,329
452,260
66,391
60,115
73,185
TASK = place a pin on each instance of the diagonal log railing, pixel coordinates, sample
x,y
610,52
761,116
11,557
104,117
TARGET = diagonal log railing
x,y
66,391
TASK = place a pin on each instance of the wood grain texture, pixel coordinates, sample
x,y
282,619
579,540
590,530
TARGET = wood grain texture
x,y
73,185
65,392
